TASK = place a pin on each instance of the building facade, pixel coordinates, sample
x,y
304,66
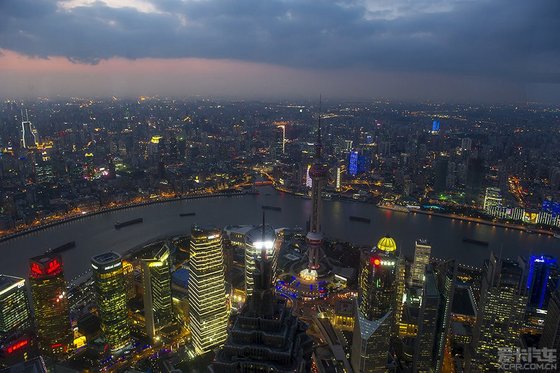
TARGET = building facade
x,y
422,252
50,304
206,290
158,303
376,306
501,312
109,285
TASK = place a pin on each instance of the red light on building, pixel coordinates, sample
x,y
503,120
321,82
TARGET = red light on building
x,y
36,270
375,261
56,345
17,346
54,267
45,266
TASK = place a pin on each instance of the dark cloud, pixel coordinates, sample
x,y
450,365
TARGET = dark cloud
x,y
517,40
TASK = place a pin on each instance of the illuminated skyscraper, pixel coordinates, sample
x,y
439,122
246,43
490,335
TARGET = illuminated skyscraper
x,y
376,307
257,241
158,304
501,313
422,252
29,134
50,304
265,337
492,198
14,307
108,281
447,279
15,319
542,281
207,291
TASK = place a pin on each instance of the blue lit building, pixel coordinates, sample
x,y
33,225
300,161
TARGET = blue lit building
x,y
551,207
542,280
358,162
435,126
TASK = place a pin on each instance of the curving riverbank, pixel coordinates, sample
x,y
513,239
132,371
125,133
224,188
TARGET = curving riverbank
x,y
105,210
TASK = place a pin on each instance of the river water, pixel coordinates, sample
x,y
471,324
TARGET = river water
x,y
95,234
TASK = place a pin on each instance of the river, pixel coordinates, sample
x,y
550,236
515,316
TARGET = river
x,y
96,233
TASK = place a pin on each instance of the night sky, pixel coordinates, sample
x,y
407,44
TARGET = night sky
x,y
427,50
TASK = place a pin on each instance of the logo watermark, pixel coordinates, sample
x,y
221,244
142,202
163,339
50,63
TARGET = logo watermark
x,y
528,358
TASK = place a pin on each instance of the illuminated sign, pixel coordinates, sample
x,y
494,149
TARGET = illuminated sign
x,y
50,268
17,346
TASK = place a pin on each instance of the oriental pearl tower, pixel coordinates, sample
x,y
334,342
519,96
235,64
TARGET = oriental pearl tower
x,y
318,173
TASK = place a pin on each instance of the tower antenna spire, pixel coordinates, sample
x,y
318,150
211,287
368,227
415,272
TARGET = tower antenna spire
x,y
319,145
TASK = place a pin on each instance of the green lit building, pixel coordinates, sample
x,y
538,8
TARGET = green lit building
x,y
206,290
108,279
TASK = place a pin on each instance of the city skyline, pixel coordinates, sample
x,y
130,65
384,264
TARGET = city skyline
x,y
450,51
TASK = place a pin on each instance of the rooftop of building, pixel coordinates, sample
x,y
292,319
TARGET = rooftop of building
x,y
106,258
387,244
7,282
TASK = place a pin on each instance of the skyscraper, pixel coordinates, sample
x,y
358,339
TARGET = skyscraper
x,y
376,306
14,307
29,134
158,304
265,337
207,292
259,240
492,198
50,304
542,281
422,252
15,319
501,312
108,281
424,348
551,332
446,282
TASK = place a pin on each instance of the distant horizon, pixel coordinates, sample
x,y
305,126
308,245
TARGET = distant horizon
x,y
460,51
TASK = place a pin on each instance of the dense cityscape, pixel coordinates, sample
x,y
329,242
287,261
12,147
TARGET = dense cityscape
x,y
254,297
279,186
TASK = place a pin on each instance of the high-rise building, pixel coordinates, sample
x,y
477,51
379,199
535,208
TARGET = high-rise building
x,y
15,320
466,144
109,285
265,337
422,252
376,306
441,166
14,307
551,332
492,198
501,312
158,304
447,279
206,290
475,177
542,280
29,134
50,304
424,348
261,239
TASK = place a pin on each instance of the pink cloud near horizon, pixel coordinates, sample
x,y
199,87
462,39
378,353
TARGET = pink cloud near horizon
x,y
23,76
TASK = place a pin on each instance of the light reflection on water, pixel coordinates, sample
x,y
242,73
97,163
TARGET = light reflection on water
x,y
96,233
